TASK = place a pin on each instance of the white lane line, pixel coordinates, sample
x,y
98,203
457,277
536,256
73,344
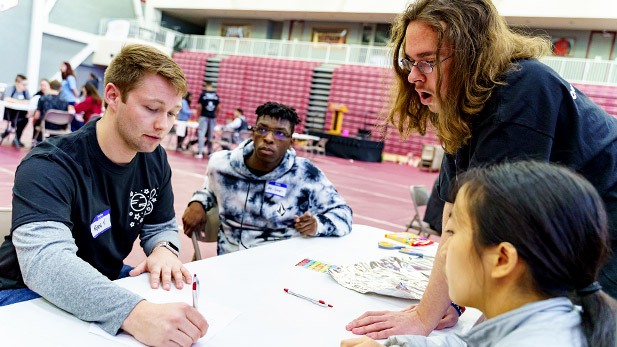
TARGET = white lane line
x,y
10,172
398,226
356,175
184,172
406,201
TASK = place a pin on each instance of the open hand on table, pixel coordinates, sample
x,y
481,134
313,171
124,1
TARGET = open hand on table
x,y
360,342
165,324
162,265
383,324
447,321
306,224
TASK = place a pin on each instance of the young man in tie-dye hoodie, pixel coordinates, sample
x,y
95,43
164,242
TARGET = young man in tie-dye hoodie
x,y
265,193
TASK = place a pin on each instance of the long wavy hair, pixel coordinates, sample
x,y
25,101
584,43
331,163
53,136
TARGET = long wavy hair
x,y
69,70
484,49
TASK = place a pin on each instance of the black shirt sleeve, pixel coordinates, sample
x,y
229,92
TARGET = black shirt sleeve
x,y
43,191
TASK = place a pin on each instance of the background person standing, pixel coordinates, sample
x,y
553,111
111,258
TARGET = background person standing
x,y
209,102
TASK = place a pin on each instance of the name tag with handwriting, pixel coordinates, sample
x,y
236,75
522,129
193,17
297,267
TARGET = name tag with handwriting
x,y
101,222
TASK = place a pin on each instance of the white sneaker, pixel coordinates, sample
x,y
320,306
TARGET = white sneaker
x,y
199,156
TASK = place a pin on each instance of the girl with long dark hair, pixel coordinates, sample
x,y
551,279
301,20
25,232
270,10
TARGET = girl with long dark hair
x,y
527,241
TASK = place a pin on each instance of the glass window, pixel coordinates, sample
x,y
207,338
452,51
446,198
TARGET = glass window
x,y
382,34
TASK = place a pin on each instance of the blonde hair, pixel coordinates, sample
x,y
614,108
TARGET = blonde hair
x,y
484,49
128,68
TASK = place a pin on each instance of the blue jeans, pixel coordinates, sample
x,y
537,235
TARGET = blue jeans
x,y
206,127
13,296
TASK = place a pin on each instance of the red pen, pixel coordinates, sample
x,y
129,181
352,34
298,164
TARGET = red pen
x,y
195,291
314,301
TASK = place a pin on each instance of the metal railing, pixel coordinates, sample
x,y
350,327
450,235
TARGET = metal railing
x,y
575,70
132,29
589,71
297,50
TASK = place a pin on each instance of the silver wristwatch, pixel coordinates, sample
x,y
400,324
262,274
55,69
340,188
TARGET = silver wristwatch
x,y
170,246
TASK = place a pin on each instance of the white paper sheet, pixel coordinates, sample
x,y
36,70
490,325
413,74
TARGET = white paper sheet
x,y
218,318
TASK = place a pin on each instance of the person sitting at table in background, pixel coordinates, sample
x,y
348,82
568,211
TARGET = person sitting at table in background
x,y
265,193
92,104
183,116
51,101
238,124
80,201
527,241
43,87
209,102
94,80
69,83
17,93
460,69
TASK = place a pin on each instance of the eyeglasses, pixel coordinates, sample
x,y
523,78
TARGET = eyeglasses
x,y
278,134
423,65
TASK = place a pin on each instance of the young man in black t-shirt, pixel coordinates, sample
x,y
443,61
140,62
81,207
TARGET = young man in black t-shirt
x,y
209,102
81,200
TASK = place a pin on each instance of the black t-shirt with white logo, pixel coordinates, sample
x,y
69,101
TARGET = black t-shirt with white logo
x,y
539,115
209,101
68,179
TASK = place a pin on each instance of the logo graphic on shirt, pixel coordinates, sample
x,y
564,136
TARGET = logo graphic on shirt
x,y
281,210
572,92
142,204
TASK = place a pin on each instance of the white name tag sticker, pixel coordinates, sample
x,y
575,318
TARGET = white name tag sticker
x,y
101,222
277,189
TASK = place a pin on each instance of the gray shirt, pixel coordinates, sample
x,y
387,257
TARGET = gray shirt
x,y
50,266
552,322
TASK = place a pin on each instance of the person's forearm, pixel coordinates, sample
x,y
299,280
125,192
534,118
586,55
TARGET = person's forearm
x,y
336,222
50,267
204,196
436,299
16,101
151,234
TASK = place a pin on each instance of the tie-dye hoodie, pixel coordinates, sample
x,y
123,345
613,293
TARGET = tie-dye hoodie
x,y
255,210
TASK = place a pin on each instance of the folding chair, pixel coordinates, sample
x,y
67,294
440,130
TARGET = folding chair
x,y
208,234
225,140
56,117
427,156
320,147
419,197
94,117
437,159
304,146
5,222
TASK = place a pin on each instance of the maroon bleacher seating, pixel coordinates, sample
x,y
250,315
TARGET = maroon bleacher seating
x,y
604,96
193,64
365,91
247,82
